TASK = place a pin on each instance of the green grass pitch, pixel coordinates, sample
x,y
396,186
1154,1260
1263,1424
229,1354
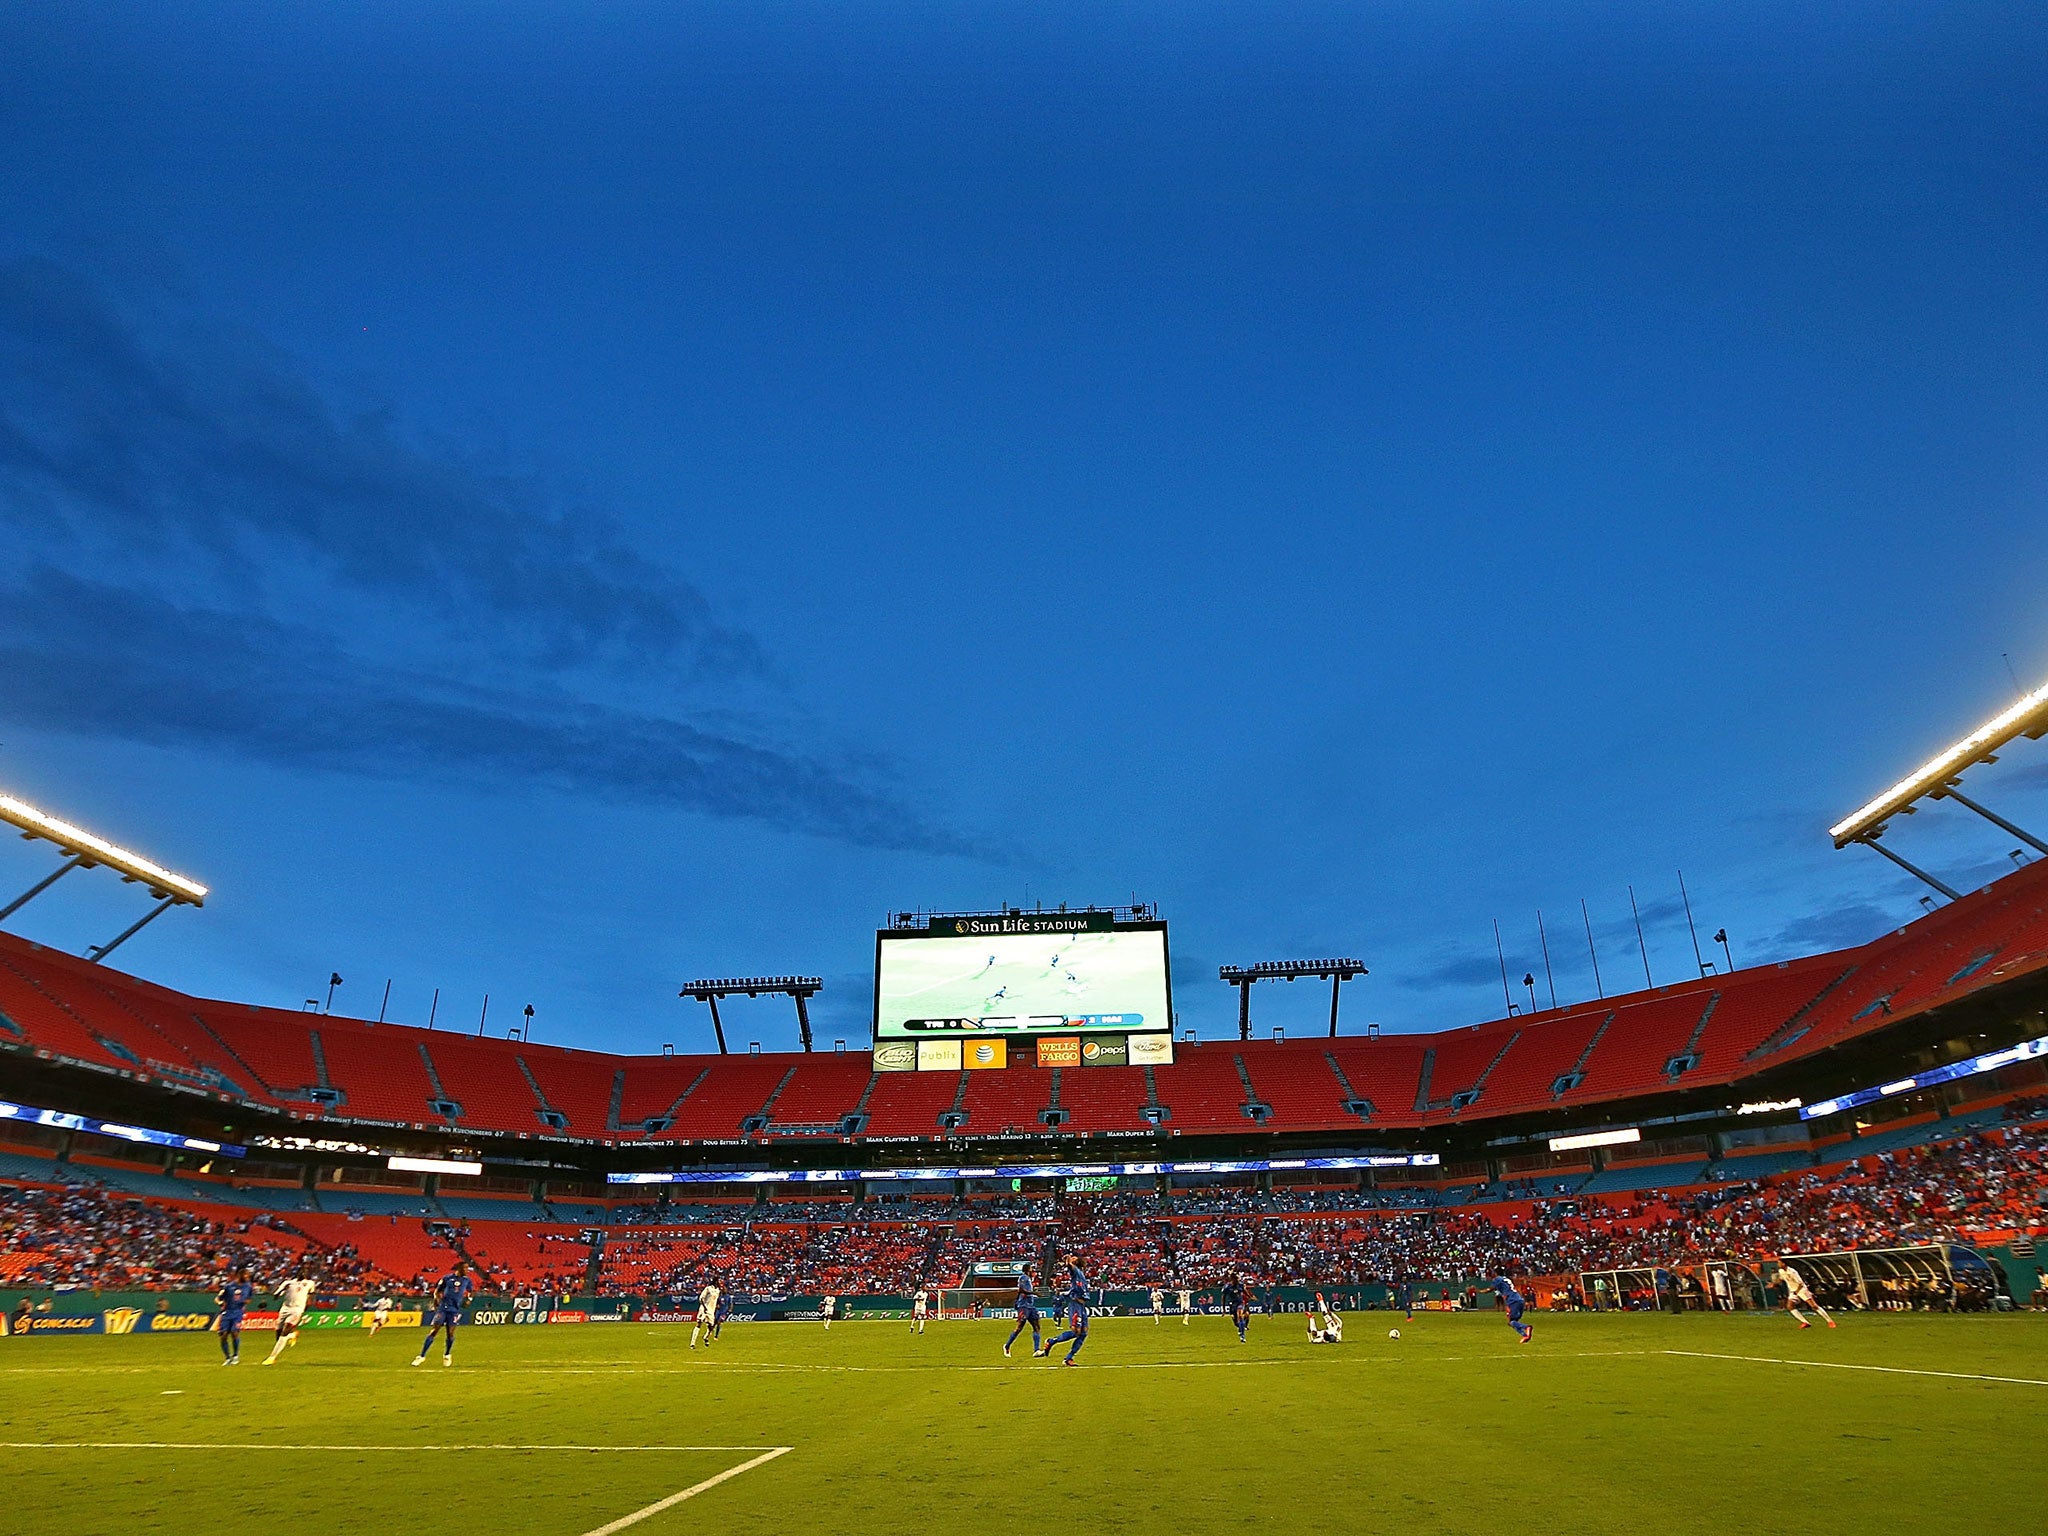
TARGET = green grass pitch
x,y
1599,1425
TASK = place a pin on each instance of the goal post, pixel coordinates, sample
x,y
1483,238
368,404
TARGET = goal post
x,y
966,1302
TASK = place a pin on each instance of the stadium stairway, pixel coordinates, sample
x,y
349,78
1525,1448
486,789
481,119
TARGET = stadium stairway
x,y
821,1093
1010,1100
910,1103
1296,1081
1204,1089
1103,1100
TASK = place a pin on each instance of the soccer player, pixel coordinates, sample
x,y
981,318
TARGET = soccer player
x,y
920,1308
455,1289
1239,1294
707,1314
234,1300
1027,1312
292,1297
1186,1298
1513,1300
724,1311
1798,1294
831,1306
1158,1306
1077,1314
380,1314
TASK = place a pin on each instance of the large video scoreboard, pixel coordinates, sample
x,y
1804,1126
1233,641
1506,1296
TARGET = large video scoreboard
x,y
1032,988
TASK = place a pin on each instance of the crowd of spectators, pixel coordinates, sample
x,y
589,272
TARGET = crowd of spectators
x,y
1201,1239
1197,1239
82,1235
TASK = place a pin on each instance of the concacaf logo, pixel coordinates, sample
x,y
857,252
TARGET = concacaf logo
x,y
123,1319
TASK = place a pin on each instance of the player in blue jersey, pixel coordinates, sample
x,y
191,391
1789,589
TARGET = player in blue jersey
x,y
234,1300
721,1312
1027,1312
1407,1297
1512,1299
455,1289
1239,1294
1076,1283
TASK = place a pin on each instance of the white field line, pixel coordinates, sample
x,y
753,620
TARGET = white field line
x,y
268,1445
770,1368
688,1493
1843,1365
1325,1360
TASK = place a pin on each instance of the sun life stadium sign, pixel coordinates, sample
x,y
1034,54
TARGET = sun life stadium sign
x,y
1025,922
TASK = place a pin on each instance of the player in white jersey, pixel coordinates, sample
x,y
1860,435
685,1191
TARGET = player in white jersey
x,y
920,1309
830,1306
1158,1306
380,1314
707,1313
1798,1294
1324,1325
1186,1299
292,1297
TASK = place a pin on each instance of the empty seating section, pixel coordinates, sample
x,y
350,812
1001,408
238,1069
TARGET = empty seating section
x,y
517,1256
400,1248
487,1208
267,1196
1624,1046
42,1024
910,1103
823,1091
1102,1100
577,1083
378,1069
1638,1176
1759,1165
1294,1079
1203,1089
1386,1073
1644,1036
1956,948
353,1198
274,1043
129,1015
1010,1099
1545,1051
1755,1005
483,1077
737,1088
179,1028
1462,1057
654,1083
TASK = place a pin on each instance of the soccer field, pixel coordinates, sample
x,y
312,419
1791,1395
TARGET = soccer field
x,y
1640,1423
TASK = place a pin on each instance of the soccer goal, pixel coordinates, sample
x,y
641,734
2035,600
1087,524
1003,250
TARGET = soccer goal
x,y
966,1303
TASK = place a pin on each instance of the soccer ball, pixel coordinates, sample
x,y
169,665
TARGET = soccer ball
x,y
1393,1333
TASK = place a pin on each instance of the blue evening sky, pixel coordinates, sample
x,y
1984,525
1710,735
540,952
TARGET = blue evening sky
x,y
553,500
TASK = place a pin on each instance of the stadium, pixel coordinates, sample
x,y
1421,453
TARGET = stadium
x,y
1175,742
1668,1179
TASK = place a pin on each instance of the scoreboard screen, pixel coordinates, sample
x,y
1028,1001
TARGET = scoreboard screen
x,y
1027,975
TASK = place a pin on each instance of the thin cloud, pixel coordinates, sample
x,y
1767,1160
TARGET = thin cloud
x,y
1454,969
1837,928
215,448
98,660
